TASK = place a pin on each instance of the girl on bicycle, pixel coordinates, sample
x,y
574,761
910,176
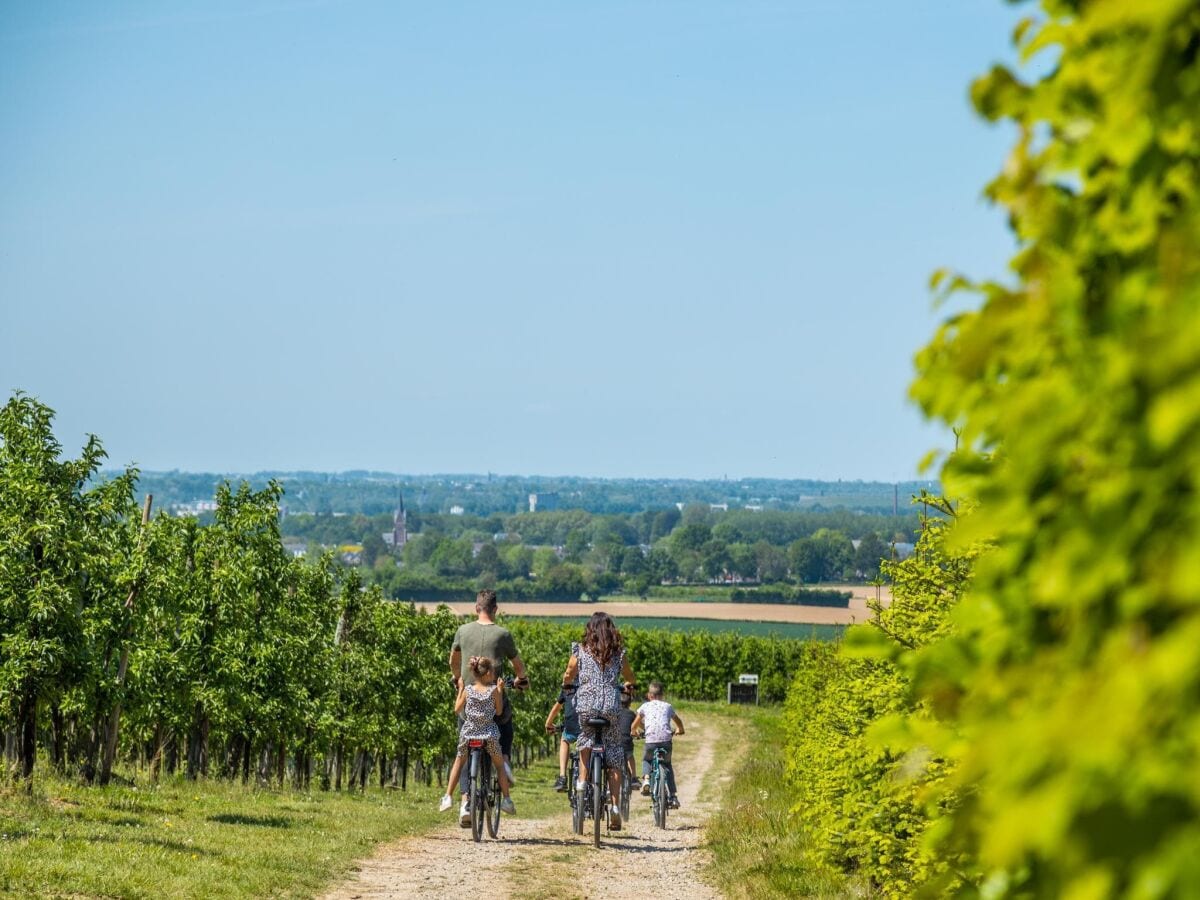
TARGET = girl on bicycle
x,y
479,705
598,663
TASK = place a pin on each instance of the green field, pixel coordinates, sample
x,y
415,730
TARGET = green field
x,y
760,629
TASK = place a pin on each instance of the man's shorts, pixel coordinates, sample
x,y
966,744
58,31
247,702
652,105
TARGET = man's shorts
x,y
569,737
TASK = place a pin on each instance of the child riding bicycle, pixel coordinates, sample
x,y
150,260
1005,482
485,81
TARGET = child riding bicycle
x,y
479,704
654,719
566,705
625,720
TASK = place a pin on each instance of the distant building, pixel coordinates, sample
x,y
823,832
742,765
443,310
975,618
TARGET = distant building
x,y
194,507
296,549
350,554
543,501
754,507
398,536
904,551
456,510
719,507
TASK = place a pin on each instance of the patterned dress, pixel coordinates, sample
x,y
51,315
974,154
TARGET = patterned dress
x,y
599,697
479,720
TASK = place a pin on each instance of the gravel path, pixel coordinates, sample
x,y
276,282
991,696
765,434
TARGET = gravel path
x,y
543,858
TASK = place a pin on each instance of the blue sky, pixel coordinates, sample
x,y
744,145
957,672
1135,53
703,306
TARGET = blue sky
x,y
620,238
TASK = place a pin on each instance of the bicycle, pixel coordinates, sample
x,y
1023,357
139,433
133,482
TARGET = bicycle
x,y
572,794
483,792
483,795
595,792
659,799
626,793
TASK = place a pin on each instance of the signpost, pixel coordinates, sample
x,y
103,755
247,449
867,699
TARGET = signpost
x,y
744,690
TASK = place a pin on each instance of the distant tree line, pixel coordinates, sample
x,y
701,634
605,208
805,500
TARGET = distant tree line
x,y
374,493
565,554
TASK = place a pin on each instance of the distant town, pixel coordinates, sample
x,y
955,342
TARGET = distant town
x,y
435,537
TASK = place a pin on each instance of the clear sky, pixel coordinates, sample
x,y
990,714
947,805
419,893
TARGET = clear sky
x,y
597,238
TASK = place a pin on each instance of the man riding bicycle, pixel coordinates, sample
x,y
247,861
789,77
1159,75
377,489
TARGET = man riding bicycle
x,y
484,637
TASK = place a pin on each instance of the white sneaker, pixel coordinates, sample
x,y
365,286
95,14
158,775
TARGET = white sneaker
x,y
508,772
508,807
464,814
446,803
579,786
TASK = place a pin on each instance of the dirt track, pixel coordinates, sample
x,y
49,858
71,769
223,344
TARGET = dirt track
x,y
542,858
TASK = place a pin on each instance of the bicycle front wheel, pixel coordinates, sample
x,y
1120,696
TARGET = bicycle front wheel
x,y
493,811
577,799
626,790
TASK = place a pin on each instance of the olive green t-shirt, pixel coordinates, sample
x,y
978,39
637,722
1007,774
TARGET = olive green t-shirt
x,y
478,639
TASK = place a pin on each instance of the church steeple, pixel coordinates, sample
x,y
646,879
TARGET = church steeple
x,y
399,523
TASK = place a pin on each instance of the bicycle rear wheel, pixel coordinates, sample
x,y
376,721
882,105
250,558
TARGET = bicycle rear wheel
x,y
478,795
599,792
660,799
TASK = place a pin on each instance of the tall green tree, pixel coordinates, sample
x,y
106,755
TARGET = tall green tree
x,y
52,532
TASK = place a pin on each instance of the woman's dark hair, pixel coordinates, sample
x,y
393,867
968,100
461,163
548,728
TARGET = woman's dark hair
x,y
601,639
480,665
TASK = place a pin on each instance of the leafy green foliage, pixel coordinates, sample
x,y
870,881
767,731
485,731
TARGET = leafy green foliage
x,y
1071,686
1039,738
857,758
61,560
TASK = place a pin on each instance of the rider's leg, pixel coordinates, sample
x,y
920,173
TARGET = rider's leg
x,y
455,769
669,769
614,786
498,762
463,776
506,738
564,752
585,760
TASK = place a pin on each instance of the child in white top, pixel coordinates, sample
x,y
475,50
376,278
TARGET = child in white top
x,y
654,719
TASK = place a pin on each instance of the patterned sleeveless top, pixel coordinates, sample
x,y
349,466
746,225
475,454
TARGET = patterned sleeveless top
x,y
599,688
479,715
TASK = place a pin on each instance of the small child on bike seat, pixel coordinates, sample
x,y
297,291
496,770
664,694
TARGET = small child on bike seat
x,y
654,719
625,718
479,705
566,705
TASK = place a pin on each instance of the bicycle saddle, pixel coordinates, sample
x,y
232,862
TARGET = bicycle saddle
x,y
597,723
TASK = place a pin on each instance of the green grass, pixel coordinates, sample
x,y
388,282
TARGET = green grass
x,y
760,629
209,839
758,846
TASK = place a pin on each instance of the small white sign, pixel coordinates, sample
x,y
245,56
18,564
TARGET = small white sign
x,y
747,679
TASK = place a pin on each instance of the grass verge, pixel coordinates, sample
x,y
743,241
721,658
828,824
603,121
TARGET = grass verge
x,y
209,838
758,847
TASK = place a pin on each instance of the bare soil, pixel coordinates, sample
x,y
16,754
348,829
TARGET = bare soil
x,y
729,612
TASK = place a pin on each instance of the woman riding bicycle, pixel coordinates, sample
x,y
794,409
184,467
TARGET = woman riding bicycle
x,y
598,663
